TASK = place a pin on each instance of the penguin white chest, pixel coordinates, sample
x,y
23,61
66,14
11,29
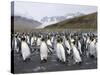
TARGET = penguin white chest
x,y
16,45
32,40
49,43
28,41
76,54
68,46
25,50
52,39
61,52
79,47
38,41
92,48
15,42
43,51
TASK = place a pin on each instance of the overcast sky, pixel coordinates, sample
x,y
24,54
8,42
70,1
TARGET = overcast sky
x,y
39,10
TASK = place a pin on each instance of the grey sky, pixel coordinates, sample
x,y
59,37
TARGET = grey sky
x,y
39,10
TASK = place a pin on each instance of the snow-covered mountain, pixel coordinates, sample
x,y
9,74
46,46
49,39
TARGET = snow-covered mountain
x,y
88,21
46,21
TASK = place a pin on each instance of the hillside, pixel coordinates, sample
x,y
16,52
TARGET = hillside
x,y
21,23
83,22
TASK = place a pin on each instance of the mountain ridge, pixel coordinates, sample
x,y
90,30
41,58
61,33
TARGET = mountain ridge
x,y
84,22
22,23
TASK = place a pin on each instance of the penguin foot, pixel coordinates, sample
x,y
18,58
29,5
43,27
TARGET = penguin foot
x,y
67,61
49,53
79,63
24,60
76,63
92,56
58,60
64,62
20,55
27,60
43,61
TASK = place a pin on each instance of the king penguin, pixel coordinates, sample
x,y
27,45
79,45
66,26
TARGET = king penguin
x,y
25,50
60,51
49,45
39,40
76,55
92,48
43,50
32,40
16,48
67,45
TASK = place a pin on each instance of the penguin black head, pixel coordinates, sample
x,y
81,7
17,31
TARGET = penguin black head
x,y
74,42
92,39
23,39
48,37
79,38
16,36
43,39
61,39
58,36
66,37
58,40
39,36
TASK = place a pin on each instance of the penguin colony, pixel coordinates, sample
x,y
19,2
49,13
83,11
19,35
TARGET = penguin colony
x,y
62,44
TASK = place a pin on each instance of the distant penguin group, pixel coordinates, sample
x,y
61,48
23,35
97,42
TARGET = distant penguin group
x,y
60,44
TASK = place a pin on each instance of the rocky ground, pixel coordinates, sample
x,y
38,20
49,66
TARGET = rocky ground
x,y
35,65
